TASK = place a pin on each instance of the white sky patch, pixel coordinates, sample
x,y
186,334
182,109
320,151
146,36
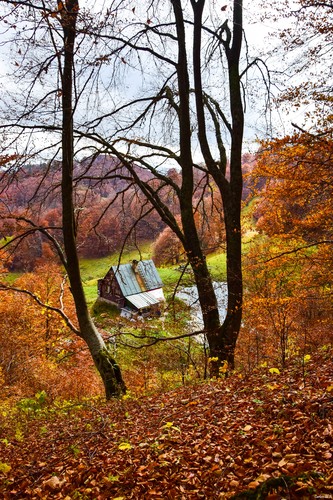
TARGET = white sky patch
x,y
133,82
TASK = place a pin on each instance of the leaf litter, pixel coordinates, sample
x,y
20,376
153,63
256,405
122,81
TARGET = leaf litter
x,y
231,438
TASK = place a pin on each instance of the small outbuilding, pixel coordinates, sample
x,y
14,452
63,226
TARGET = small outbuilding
x,y
135,288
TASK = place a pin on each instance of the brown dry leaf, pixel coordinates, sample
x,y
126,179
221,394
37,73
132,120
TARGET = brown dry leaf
x,y
328,431
253,485
224,443
234,483
53,483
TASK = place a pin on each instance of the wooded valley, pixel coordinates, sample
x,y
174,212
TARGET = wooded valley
x,y
171,134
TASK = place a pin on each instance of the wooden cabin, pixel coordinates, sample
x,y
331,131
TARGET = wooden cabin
x,y
135,288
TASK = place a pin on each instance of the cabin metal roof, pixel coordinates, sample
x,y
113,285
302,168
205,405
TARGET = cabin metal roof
x,y
142,300
131,284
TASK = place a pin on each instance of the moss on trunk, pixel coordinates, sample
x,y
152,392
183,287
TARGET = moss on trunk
x,y
110,373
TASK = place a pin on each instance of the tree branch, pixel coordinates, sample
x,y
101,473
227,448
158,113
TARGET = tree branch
x,y
295,250
59,311
155,340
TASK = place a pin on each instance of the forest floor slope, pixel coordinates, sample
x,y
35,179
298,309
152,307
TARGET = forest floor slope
x,y
269,434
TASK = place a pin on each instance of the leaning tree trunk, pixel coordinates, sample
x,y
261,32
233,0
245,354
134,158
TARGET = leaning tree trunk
x,y
104,362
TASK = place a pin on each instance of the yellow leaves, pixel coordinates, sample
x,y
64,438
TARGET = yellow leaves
x,y
272,387
223,368
282,462
274,370
19,436
168,425
124,446
4,468
126,396
263,477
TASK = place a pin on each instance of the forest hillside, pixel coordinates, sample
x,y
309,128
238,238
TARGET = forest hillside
x,y
268,435
198,135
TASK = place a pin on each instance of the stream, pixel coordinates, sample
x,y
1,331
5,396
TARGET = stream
x,y
190,296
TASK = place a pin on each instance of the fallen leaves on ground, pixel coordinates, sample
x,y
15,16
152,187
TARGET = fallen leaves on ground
x,y
269,433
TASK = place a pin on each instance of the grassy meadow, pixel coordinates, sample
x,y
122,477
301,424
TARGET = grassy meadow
x,y
94,269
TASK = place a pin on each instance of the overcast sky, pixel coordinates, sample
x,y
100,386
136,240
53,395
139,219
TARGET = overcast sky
x,y
260,39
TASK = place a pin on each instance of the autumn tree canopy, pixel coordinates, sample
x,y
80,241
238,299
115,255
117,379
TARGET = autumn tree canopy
x,y
189,103
194,118
139,111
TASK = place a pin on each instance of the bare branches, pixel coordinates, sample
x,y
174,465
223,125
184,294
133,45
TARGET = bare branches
x,y
35,228
310,134
34,6
57,310
294,250
154,339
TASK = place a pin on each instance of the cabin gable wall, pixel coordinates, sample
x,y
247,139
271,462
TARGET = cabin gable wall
x,y
109,289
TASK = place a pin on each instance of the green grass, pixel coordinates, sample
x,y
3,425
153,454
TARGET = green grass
x,y
217,265
90,292
10,278
94,269
170,276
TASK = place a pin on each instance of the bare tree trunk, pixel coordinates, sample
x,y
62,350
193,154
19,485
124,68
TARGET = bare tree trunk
x,y
106,365
192,244
222,338
232,193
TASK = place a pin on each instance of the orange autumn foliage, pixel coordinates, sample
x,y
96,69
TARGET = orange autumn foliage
x,y
289,271
288,309
297,197
38,350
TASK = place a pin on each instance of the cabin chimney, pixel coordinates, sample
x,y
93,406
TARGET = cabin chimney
x,y
135,265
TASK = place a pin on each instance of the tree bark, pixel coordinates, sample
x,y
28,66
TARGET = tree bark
x,y
222,338
192,244
232,194
104,362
